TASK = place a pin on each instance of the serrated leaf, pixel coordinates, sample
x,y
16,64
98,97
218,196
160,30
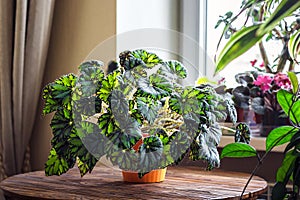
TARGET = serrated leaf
x,y
122,139
150,154
83,67
148,108
55,164
203,149
186,102
91,138
133,75
150,59
90,78
85,107
129,62
109,84
279,136
58,94
179,145
173,69
238,150
107,124
62,127
119,105
155,87
126,159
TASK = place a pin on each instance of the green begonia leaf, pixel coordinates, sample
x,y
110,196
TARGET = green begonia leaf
x,y
58,94
150,59
174,70
55,164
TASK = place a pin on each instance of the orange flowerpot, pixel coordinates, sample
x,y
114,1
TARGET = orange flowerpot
x,y
153,176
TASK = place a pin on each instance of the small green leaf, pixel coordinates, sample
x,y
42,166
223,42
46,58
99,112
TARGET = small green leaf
x,y
242,133
204,80
238,150
279,136
238,44
294,79
285,99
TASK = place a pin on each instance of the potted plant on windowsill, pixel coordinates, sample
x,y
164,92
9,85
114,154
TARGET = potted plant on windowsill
x,y
256,101
137,115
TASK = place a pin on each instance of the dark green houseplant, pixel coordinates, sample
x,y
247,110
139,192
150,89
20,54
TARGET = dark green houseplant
x,y
106,114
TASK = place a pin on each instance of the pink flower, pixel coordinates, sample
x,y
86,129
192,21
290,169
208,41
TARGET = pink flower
x,y
221,81
253,62
264,82
282,81
262,64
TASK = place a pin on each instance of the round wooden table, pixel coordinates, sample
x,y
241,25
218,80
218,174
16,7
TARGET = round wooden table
x,y
106,183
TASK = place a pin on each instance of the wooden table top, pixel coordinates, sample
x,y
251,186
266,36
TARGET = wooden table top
x,y
106,183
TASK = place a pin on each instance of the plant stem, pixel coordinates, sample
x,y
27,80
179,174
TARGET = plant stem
x,y
292,65
251,176
260,161
264,57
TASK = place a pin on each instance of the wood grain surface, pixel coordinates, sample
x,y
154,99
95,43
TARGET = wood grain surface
x,y
106,183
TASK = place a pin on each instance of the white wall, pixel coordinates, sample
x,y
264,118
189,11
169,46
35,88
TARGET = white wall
x,y
152,25
139,14
139,27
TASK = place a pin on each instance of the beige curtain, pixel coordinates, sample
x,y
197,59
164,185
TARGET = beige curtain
x,y
24,36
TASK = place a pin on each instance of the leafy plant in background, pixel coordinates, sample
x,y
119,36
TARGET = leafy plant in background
x,y
259,90
290,135
270,21
98,114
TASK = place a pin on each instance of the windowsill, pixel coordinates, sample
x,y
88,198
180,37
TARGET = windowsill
x,y
259,143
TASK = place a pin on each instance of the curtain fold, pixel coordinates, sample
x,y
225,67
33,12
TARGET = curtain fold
x,y
24,38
